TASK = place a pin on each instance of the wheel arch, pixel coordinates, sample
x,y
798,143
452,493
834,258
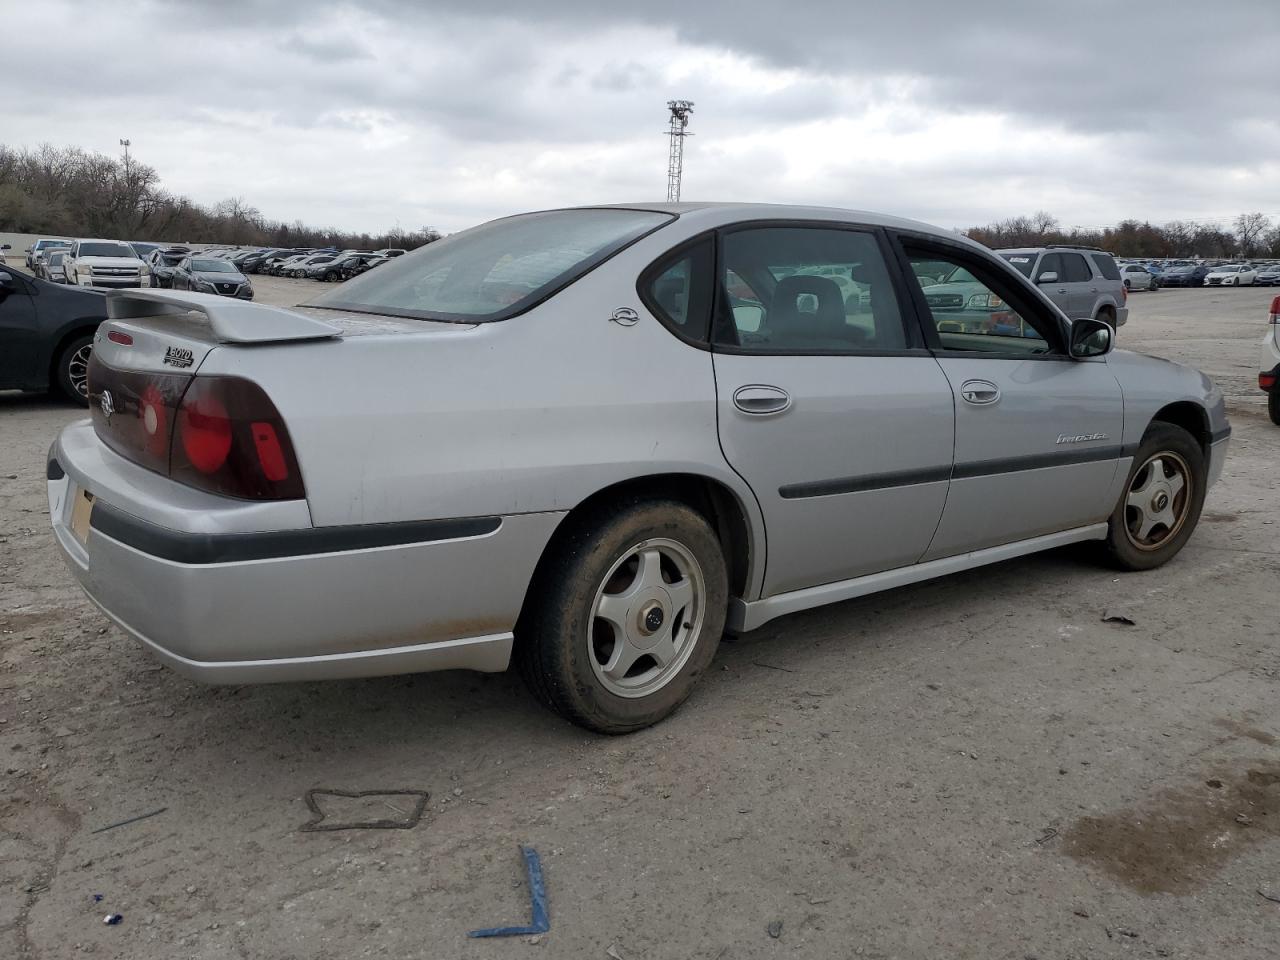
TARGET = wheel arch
x,y
1189,415
722,507
83,327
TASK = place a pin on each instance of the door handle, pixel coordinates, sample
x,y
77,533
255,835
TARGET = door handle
x,y
1062,289
761,399
979,392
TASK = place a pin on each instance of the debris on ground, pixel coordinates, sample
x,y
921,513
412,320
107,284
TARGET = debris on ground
x,y
1215,784
540,921
612,953
121,823
317,822
112,919
1119,618
775,929
1270,893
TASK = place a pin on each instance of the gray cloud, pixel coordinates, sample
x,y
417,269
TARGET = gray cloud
x,y
360,113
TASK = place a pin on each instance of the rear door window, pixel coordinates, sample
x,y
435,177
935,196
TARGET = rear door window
x,y
814,290
1074,268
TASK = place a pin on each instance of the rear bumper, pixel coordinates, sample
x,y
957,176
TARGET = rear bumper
x,y
305,603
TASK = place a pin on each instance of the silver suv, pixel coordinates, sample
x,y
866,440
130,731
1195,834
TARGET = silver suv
x,y
1082,281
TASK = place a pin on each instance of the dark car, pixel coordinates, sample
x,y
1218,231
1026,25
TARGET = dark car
x,y
211,275
46,334
1186,276
163,263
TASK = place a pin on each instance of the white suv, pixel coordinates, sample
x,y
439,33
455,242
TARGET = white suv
x,y
104,263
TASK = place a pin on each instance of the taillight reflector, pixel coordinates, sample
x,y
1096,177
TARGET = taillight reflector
x,y
115,336
1275,311
1267,381
270,455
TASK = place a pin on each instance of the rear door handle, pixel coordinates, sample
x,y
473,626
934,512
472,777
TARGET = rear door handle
x,y
979,392
761,399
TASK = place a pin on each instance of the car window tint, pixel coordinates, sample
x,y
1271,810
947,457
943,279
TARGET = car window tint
x,y
807,290
679,289
1074,269
1050,263
1022,262
968,307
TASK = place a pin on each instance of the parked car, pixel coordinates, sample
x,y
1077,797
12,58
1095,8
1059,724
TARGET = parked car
x,y
46,334
3,248
280,266
1082,281
1190,275
50,265
1231,275
299,267
211,275
39,245
1137,277
1269,372
163,262
364,264
1268,276
104,263
341,267
391,252
40,258
255,261
346,492
142,250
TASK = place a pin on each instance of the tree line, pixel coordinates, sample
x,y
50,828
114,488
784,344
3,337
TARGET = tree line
x,y
67,191
1251,235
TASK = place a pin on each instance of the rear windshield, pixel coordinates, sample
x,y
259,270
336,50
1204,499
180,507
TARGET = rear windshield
x,y
1021,261
495,270
105,250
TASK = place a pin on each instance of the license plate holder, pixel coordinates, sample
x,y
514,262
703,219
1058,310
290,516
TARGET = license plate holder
x,y
81,512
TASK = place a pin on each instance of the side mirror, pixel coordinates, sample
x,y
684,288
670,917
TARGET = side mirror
x,y
1091,338
1047,277
7,285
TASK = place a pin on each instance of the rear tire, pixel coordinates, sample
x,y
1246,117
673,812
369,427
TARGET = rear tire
x,y
1161,502
618,665
1273,406
72,370
1108,316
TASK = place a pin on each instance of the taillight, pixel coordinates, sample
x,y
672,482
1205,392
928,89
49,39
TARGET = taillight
x,y
1267,381
221,434
1124,295
231,440
1275,311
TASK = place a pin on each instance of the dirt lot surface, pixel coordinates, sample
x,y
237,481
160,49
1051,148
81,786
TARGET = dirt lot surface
x,y
977,767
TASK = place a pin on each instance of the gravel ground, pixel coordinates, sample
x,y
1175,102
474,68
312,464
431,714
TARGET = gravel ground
x,y
977,767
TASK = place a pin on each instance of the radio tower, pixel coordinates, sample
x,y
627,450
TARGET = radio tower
x,y
680,110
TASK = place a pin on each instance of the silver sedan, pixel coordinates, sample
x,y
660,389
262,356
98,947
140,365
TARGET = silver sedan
x,y
589,441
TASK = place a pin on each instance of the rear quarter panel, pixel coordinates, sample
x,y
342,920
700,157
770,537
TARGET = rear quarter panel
x,y
526,415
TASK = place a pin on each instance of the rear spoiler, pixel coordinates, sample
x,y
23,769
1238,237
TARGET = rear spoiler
x,y
229,320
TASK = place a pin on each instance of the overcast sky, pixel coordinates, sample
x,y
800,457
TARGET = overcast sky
x,y
362,115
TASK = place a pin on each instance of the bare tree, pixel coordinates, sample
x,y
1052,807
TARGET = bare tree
x,y
1249,227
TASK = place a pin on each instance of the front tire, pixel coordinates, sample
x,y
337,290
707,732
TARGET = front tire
x,y
1161,502
625,616
72,374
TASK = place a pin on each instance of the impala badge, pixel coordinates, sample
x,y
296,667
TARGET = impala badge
x,y
1082,438
625,317
178,357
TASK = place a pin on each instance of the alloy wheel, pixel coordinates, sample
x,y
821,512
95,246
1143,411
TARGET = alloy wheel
x,y
646,619
1158,501
78,370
